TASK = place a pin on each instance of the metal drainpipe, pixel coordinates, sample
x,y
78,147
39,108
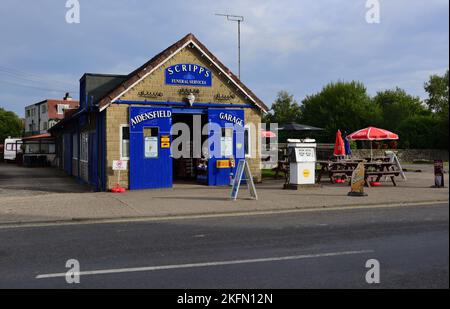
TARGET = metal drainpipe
x,y
100,151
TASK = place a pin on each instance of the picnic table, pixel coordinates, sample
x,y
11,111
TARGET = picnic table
x,y
282,167
344,170
377,159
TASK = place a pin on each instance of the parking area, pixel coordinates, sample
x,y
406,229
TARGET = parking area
x,y
22,181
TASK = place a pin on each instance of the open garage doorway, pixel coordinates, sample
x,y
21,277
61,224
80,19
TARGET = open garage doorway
x,y
191,165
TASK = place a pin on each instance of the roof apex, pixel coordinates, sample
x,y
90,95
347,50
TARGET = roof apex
x,y
160,58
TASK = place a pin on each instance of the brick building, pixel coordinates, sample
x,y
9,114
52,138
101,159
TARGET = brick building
x,y
133,118
41,116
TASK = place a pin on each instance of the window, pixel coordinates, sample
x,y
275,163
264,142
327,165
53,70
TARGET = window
x,y
28,113
151,142
43,108
61,108
45,125
74,146
84,146
32,148
47,148
226,143
247,141
124,142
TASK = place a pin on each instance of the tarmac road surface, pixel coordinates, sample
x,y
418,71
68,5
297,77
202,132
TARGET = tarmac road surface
x,y
321,249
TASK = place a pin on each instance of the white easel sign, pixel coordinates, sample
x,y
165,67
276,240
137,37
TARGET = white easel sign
x,y
119,165
243,168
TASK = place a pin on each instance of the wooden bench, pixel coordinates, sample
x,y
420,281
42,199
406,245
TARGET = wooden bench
x,y
379,174
282,167
342,168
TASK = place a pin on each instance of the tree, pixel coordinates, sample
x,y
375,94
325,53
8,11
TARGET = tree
x,y
396,106
341,105
285,109
437,89
10,125
420,132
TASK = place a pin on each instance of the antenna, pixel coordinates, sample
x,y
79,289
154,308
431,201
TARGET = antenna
x,y
238,19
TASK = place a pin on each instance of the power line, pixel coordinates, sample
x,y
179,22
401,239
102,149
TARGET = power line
x,y
36,87
39,83
32,77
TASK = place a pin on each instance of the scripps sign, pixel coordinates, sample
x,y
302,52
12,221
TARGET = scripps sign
x,y
188,74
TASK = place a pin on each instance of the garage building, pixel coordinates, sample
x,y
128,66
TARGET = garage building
x,y
130,118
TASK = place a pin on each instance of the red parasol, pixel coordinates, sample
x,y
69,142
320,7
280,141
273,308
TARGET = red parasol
x,y
268,134
372,134
339,146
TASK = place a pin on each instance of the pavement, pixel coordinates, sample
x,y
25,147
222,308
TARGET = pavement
x,y
317,249
30,195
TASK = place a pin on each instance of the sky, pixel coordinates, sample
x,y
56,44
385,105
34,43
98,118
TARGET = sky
x,y
293,45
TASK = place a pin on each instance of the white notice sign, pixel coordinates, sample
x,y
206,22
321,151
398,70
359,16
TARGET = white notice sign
x,y
305,155
151,147
119,165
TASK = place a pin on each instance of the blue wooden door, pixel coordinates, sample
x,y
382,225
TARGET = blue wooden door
x,y
150,159
224,145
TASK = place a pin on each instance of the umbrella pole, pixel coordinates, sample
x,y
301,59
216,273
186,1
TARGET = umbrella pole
x,y
371,152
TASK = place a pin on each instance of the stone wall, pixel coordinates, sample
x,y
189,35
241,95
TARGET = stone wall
x,y
116,115
406,155
325,152
154,84
253,118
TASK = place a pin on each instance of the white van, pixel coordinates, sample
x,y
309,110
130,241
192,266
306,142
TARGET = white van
x,y
12,147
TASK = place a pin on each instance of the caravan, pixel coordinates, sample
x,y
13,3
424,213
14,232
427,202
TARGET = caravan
x,y
12,147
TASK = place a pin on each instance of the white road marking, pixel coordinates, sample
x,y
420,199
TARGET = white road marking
x,y
207,264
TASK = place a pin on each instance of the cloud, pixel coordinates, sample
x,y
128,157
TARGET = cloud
x,y
293,45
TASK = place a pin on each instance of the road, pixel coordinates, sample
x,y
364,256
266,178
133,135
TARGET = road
x,y
318,249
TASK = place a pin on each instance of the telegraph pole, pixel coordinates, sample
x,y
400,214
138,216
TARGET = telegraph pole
x,y
237,19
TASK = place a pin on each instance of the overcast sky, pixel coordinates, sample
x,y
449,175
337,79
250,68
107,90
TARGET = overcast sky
x,y
297,45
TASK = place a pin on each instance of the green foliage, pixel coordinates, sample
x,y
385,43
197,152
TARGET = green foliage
x,y
285,109
341,105
353,145
422,132
10,125
437,89
348,107
397,106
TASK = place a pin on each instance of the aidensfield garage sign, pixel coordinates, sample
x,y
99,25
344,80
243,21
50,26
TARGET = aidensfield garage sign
x,y
150,116
188,74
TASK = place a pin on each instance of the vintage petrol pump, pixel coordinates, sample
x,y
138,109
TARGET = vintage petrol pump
x,y
302,163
